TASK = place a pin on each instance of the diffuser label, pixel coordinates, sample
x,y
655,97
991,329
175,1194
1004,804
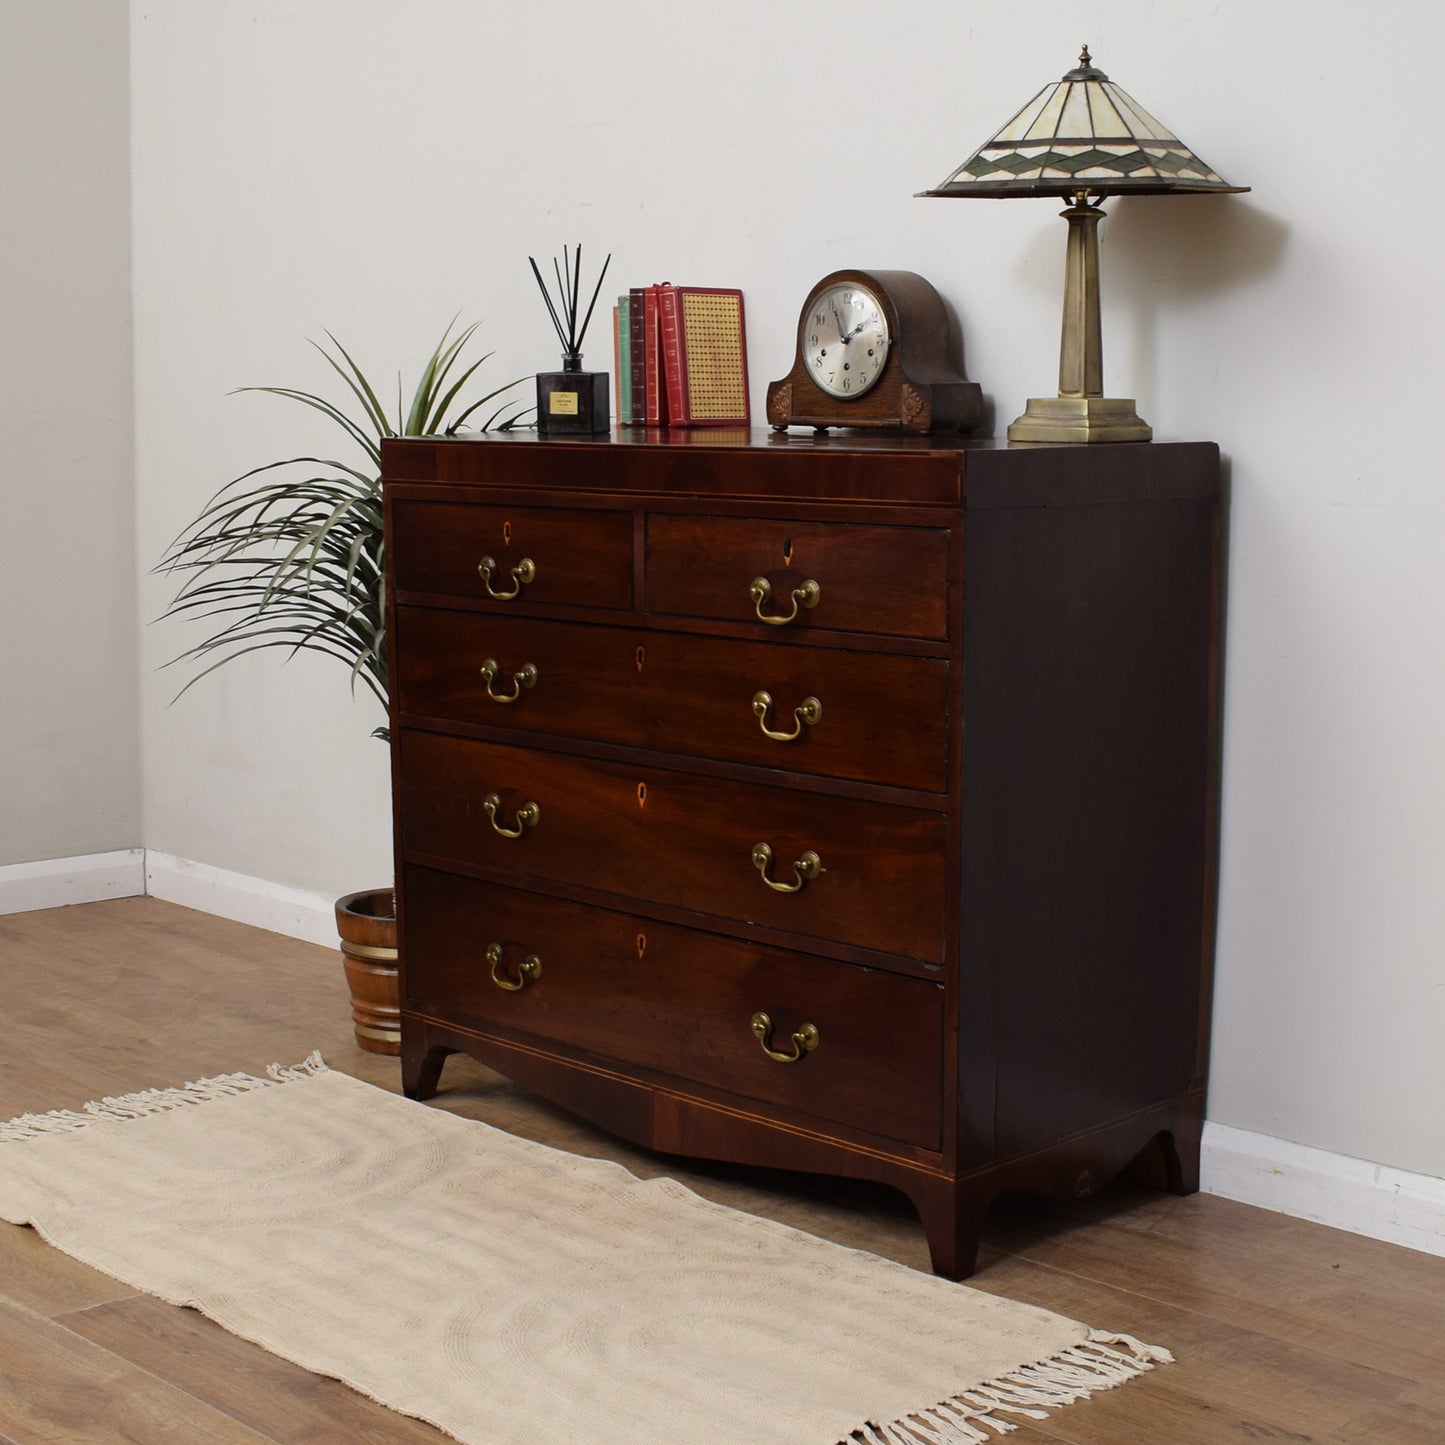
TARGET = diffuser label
x,y
563,403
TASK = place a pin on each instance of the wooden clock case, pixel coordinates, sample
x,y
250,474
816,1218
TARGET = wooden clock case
x,y
922,388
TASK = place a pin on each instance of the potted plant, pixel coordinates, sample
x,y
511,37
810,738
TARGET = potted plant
x,y
290,556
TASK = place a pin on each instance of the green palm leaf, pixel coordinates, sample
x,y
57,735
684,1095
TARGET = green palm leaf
x,y
276,559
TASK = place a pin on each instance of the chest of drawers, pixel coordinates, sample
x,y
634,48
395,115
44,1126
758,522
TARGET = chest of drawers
x,y
842,805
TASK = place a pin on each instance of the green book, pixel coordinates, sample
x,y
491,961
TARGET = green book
x,y
624,366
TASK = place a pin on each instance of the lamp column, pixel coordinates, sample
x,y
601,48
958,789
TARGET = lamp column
x,y
1081,412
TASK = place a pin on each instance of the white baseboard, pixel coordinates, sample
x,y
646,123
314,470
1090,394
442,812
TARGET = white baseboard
x,y
56,882
297,914
1352,1194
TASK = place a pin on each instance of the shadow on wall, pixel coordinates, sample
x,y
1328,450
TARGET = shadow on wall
x,y
1187,251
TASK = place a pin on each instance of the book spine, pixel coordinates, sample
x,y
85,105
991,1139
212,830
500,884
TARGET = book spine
x,y
624,361
617,363
637,336
673,362
656,395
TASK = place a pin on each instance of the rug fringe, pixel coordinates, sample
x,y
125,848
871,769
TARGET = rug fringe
x,y
1073,1374
156,1101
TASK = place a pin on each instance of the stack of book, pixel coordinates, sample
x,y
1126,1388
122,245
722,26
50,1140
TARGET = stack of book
x,y
681,357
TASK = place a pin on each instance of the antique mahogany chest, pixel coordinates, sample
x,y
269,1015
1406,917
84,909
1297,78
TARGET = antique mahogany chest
x,y
835,804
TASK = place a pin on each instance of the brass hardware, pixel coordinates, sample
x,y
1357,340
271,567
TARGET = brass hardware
x,y
525,676
805,1039
806,867
807,714
530,968
380,1036
373,951
760,589
525,571
527,816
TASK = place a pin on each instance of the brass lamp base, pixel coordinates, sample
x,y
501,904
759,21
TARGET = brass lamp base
x,y
1079,419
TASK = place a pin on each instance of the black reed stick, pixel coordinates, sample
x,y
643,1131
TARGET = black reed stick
x,y
569,295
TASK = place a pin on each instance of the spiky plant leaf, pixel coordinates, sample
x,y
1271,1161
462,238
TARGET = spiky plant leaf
x,y
276,559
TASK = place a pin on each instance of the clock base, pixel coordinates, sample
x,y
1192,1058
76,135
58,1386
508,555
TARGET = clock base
x,y
1079,419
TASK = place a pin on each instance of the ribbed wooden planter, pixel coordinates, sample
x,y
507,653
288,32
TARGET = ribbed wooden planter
x,y
367,925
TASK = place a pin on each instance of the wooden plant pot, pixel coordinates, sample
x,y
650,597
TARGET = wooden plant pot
x,y
367,925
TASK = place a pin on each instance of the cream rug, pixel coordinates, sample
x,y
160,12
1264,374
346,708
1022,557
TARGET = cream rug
x,y
507,1292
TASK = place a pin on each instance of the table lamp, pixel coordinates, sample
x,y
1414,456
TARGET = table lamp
x,y
1084,139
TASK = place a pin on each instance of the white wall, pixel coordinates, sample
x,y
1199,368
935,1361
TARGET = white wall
x,y
69,695
373,168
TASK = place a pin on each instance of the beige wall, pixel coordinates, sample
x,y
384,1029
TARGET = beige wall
x,y
69,739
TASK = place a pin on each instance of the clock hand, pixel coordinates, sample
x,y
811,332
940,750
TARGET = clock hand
x,y
838,321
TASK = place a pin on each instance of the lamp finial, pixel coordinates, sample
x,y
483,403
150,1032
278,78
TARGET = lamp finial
x,y
1085,58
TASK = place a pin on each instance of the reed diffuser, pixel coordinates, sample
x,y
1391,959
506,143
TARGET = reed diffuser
x,y
571,402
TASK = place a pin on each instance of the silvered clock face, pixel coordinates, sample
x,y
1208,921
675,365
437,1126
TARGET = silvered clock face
x,y
845,340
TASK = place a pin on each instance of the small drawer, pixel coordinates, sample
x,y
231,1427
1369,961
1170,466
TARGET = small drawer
x,y
889,581
676,1001
875,878
577,558
873,717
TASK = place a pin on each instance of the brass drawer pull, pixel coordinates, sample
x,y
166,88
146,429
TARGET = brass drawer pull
x,y
806,867
530,968
805,1039
527,816
522,573
760,589
807,714
524,677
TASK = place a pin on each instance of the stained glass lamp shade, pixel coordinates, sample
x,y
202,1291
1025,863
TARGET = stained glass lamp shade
x,y
1082,138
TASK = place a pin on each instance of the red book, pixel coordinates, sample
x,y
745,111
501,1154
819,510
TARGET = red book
x,y
657,413
705,357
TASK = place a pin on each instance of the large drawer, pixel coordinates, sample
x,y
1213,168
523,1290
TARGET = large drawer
x,y
679,1002
682,840
891,581
578,558
881,719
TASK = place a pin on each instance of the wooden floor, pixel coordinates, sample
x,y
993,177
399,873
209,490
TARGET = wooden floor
x,y
1283,1331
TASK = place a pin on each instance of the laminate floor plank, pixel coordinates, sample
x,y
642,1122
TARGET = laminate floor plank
x,y
1234,1383
282,1401
1283,1330
58,1389
1348,1299
45,1281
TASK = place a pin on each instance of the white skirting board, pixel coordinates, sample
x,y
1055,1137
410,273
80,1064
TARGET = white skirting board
x,y
297,914
1351,1194
55,882
58,882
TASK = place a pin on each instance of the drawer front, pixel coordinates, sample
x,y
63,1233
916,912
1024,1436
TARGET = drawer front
x,y
681,840
882,718
679,1002
578,558
891,581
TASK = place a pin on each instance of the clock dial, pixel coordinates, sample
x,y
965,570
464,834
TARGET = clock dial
x,y
845,340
